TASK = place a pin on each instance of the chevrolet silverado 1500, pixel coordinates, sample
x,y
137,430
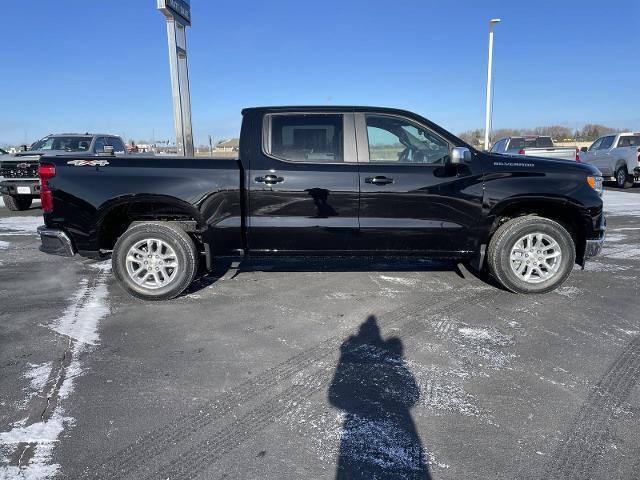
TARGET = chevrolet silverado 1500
x,y
325,181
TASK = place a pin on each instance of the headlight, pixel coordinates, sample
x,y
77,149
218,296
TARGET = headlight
x,y
595,183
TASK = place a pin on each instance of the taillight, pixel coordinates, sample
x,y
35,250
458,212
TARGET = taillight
x,y
577,154
46,171
521,152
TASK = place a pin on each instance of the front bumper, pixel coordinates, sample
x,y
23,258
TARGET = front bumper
x,y
28,187
593,247
55,242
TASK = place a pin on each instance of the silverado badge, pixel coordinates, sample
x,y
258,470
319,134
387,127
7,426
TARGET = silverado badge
x,y
88,163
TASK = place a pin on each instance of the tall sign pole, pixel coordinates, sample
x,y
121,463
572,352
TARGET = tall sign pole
x,y
487,112
178,15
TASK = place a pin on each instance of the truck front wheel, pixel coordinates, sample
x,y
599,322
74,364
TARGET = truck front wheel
x,y
531,255
17,204
623,179
155,260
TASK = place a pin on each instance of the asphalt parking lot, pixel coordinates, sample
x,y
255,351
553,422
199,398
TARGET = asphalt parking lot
x,y
296,369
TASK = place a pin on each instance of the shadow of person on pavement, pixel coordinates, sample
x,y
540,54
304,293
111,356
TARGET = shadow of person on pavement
x,y
374,387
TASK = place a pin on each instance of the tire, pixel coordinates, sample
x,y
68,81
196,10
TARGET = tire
x,y
17,204
171,276
543,232
623,179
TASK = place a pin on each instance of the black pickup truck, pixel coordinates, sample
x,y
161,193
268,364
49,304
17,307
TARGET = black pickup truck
x,y
326,181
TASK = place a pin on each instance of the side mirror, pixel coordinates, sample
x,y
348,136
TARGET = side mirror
x,y
584,149
460,155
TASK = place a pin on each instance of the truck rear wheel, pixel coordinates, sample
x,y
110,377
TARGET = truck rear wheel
x,y
531,255
155,260
17,204
623,179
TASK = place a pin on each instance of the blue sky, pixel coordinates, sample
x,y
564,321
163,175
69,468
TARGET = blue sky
x,y
93,65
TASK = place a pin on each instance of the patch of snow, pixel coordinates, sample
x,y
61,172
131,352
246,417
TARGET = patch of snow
x,y
80,320
79,323
615,237
408,282
476,333
20,225
595,266
44,435
623,253
569,291
38,375
621,203
4,245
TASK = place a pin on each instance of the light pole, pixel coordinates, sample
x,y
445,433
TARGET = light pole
x,y
487,114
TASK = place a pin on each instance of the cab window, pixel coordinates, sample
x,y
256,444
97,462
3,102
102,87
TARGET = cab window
x,y
306,138
396,140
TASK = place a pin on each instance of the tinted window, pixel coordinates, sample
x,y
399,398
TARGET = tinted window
x,y
307,138
629,141
393,139
68,144
542,142
516,143
101,142
116,143
606,142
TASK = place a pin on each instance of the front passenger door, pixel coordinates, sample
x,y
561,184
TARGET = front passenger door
x,y
411,198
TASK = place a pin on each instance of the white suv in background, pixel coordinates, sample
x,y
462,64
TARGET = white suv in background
x,y
617,156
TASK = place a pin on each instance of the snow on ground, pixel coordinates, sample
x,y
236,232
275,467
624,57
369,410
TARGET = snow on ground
x,y
621,203
79,323
4,245
20,225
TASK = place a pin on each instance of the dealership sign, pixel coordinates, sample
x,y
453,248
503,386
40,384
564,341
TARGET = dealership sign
x,y
179,9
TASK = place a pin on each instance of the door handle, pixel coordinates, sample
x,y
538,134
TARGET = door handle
x,y
379,180
269,179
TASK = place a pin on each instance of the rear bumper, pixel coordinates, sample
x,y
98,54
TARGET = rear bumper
x,y
55,242
10,187
594,246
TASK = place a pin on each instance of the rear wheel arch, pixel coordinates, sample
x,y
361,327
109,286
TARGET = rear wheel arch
x,y
115,217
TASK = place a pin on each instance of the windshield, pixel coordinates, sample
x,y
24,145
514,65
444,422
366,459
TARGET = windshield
x,y
68,144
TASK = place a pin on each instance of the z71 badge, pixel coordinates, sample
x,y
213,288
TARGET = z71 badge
x,y
88,163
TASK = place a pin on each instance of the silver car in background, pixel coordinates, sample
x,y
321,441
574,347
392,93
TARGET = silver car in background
x,y
534,146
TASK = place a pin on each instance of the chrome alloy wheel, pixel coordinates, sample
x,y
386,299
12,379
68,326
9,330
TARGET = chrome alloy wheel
x,y
152,263
536,257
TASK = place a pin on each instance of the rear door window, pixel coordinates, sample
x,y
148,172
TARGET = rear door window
x,y
316,138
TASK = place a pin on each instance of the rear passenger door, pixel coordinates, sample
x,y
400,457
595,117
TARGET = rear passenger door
x,y
412,199
303,184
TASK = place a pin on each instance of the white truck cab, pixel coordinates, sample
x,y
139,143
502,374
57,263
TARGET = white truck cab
x,y
616,155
